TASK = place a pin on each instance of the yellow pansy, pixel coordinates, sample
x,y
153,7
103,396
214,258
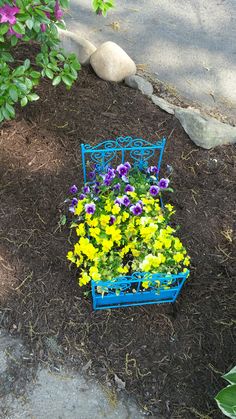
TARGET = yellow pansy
x,y
178,257
167,243
80,230
70,256
115,209
79,208
186,261
93,272
123,269
177,244
125,215
104,220
94,232
84,279
108,206
107,245
93,222
145,284
157,245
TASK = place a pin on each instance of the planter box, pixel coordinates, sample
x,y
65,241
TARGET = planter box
x,y
127,291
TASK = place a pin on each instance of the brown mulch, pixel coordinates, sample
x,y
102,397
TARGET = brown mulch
x,y
170,357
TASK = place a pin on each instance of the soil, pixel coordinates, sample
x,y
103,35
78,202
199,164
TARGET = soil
x,y
170,357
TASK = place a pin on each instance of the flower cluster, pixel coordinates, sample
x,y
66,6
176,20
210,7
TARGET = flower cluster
x,y
121,226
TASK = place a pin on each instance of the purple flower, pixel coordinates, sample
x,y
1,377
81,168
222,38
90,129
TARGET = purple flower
x,y
140,202
117,187
111,173
8,13
136,209
129,188
112,220
81,197
74,201
90,208
92,175
73,189
125,179
153,169
43,27
128,165
57,11
154,190
163,183
86,189
107,180
118,201
122,170
72,208
125,200
96,190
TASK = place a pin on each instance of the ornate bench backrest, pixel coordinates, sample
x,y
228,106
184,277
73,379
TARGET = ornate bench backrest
x,y
122,149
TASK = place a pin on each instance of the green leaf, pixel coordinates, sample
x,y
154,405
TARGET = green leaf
x,y
7,57
67,80
231,376
27,64
10,110
29,23
49,73
2,38
64,4
13,93
227,396
3,28
56,81
24,101
62,220
14,40
35,74
19,71
19,28
32,97
5,113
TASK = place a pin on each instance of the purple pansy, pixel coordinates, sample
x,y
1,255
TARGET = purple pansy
x,y
125,179
111,173
118,201
82,196
163,183
112,220
8,13
125,200
58,11
128,165
154,190
74,201
122,170
153,169
73,189
96,190
92,175
90,208
86,189
129,188
136,209
72,209
117,187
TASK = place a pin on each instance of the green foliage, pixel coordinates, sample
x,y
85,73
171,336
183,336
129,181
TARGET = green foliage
x,y
36,20
226,398
101,7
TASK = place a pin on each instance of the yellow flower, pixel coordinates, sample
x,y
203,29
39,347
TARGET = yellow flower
x,y
170,208
79,208
145,284
167,243
93,272
132,194
80,230
70,256
108,206
123,269
104,220
178,257
107,245
186,261
94,232
115,209
93,222
125,250
84,279
160,219
135,252
157,245
177,244
125,215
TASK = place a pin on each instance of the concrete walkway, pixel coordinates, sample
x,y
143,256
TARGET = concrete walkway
x,y
54,393
190,44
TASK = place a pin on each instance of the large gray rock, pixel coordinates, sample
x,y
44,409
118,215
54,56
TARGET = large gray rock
x,y
204,131
163,104
110,62
137,82
80,46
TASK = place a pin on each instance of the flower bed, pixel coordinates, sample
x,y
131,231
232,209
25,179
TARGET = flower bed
x,y
124,244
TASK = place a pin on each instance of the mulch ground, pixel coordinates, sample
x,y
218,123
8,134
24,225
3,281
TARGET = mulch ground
x,y
170,357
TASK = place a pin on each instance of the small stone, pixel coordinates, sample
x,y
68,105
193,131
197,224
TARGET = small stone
x,y
80,46
204,131
110,62
163,104
137,82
